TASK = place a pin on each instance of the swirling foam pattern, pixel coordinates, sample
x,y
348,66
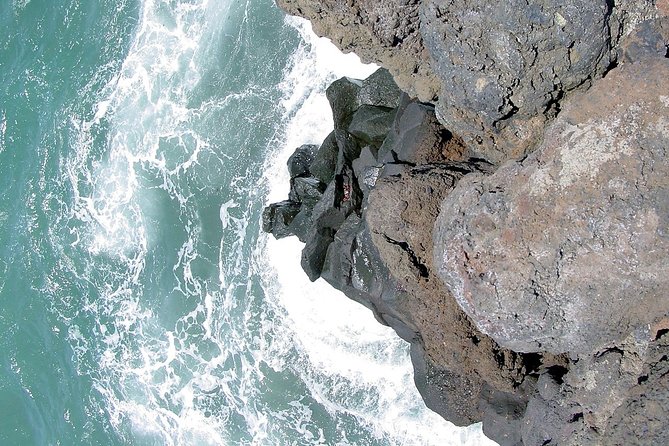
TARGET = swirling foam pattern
x,y
140,303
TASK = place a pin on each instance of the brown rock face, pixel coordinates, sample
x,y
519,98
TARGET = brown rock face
x,y
534,292
567,250
473,362
497,70
378,31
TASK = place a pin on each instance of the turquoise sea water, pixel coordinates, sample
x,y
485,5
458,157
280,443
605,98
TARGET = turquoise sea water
x,y
139,302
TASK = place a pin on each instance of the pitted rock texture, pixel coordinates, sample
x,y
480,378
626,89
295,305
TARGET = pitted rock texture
x,y
538,301
643,416
368,233
498,71
471,366
567,250
379,31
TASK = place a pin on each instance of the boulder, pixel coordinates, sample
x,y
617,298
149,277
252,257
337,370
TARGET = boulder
x,y
343,97
380,90
306,190
277,218
315,251
349,148
370,124
366,169
417,137
454,362
325,160
327,216
567,250
339,263
300,160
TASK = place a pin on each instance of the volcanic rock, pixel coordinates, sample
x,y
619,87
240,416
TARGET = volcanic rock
x,y
497,70
300,160
567,250
277,217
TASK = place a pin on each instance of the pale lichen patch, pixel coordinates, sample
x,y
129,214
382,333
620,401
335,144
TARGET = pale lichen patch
x,y
664,100
540,182
588,147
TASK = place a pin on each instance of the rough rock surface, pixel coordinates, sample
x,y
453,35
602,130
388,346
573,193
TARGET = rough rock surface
x,y
498,69
468,363
386,263
380,31
566,251
534,292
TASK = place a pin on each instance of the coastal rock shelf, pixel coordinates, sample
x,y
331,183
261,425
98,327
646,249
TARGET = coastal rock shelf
x,y
497,71
509,215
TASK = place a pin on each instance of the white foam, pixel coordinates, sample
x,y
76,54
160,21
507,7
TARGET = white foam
x,y
3,130
341,338
314,65
140,366
147,106
200,374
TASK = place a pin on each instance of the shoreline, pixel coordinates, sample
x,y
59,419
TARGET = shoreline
x,y
429,231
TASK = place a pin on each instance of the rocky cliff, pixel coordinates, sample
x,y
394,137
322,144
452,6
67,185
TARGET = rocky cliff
x,y
509,214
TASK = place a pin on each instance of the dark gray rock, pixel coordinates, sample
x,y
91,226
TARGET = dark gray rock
x,y
325,160
339,263
349,148
650,39
307,190
513,59
353,266
380,90
301,224
370,124
503,415
315,251
343,97
454,396
417,137
277,217
301,159
327,216
366,169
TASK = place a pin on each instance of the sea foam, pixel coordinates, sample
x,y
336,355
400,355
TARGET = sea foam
x,y
368,368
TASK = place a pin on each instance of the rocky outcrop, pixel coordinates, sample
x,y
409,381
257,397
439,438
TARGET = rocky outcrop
x,y
380,31
496,70
368,232
566,251
534,291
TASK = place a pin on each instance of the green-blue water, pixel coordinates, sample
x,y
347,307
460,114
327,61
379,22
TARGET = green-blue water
x,y
139,303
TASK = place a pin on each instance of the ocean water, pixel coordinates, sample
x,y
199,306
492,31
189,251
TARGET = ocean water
x,y
140,304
